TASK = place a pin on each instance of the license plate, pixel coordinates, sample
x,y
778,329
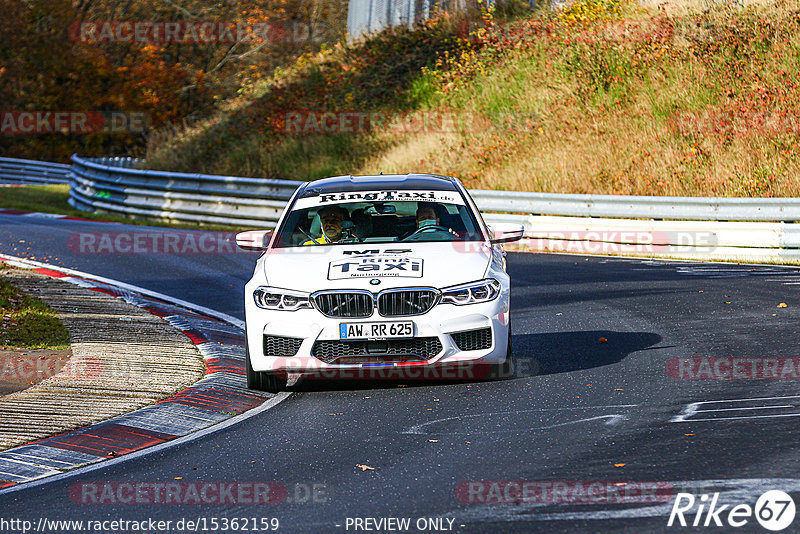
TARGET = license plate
x,y
397,329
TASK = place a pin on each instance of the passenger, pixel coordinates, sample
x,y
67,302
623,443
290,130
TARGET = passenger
x,y
331,218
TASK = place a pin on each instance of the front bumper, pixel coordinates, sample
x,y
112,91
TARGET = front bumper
x,y
308,327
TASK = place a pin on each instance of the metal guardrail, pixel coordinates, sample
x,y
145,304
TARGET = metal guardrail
x,y
641,207
651,226
707,240
25,171
741,229
114,185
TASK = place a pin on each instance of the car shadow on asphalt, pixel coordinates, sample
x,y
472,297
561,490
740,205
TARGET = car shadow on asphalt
x,y
563,352
534,355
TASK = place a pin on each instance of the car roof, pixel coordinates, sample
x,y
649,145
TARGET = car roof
x,y
382,182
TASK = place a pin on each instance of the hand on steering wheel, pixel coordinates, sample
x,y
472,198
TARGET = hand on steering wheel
x,y
427,228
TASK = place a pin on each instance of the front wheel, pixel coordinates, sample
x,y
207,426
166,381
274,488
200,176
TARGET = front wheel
x,y
262,380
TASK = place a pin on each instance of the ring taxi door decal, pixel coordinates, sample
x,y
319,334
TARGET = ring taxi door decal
x,y
375,266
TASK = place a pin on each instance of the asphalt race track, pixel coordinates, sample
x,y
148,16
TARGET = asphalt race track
x,y
621,413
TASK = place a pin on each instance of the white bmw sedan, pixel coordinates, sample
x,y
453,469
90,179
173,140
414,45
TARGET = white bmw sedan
x,y
394,272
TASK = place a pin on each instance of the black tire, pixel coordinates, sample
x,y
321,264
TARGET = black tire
x,y
262,380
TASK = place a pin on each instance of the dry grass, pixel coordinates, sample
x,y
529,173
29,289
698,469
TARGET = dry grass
x,y
633,101
634,145
27,322
53,199
682,8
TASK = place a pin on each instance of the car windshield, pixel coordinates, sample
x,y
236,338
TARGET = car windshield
x,y
378,221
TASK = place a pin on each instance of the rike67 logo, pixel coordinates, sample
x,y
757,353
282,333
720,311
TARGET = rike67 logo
x,y
774,510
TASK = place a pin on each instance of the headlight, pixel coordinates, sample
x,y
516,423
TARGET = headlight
x,y
273,298
471,293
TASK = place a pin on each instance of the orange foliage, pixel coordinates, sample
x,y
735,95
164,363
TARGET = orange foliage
x,y
45,65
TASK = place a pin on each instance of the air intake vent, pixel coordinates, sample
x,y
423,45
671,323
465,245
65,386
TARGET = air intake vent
x,y
473,339
281,346
415,349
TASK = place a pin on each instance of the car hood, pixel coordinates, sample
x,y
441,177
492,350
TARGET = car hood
x,y
314,268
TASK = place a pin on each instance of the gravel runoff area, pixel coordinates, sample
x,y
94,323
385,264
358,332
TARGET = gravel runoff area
x,y
123,358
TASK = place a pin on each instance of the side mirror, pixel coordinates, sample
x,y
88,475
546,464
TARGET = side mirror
x,y
253,239
506,232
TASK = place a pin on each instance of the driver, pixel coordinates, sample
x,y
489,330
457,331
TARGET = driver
x,y
331,218
426,216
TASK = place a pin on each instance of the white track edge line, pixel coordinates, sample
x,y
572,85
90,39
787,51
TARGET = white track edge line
x,y
655,258
122,285
101,463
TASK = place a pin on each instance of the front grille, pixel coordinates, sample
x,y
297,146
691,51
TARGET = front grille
x,y
281,346
343,304
392,350
391,302
396,302
473,339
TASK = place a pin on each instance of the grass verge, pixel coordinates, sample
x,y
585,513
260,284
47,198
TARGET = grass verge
x,y
27,322
53,199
